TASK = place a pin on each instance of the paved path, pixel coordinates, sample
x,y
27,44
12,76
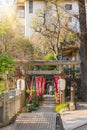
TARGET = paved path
x,y
10,127
48,104
75,119
84,127
36,121
42,119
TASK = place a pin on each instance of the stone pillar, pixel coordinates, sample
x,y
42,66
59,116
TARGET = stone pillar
x,y
6,107
62,86
72,102
22,99
72,94
63,96
1,111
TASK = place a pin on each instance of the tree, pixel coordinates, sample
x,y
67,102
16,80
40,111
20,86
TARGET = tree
x,y
83,46
20,48
53,26
6,63
16,45
49,56
13,44
37,53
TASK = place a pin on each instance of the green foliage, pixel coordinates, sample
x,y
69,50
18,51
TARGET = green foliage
x,y
3,29
30,107
37,53
49,56
70,38
68,70
55,96
28,91
59,107
20,47
6,63
33,94
2,86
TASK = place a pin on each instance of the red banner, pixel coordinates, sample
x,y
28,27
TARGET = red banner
x,y
40,84
43,85
37,86
56,78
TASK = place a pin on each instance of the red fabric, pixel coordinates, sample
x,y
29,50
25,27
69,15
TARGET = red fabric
x,y
37,86
43,85
56,78
40,84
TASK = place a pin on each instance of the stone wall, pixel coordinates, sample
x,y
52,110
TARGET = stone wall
x,y
10,106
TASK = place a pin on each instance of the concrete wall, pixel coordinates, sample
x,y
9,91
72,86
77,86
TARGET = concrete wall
x,y
74,24
37,5
11,105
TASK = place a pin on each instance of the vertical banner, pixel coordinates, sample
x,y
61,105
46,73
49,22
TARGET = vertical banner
x,y
43,85
56,78
40,84
30,96
37,86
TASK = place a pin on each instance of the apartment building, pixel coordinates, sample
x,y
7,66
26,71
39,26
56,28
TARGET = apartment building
x,y
26,10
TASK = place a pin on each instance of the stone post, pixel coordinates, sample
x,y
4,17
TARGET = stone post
x,y
63,96
6,107
72,102
62,86
72,94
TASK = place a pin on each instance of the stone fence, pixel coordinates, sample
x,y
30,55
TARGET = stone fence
x,y
10,105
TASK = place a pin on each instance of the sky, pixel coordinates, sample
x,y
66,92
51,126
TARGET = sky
x,y
6,7
6,2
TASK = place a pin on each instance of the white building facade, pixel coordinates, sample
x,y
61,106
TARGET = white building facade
x,y
27,10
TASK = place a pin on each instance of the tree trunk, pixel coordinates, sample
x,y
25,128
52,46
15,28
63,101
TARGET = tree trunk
x,y
83,47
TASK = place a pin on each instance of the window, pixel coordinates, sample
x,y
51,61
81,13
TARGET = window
x,y
20,11
68,6
31,6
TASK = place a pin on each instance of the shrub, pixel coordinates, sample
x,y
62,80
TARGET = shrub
x,y
59,107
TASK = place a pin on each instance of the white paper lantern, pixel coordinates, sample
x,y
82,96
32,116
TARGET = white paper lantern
x,y
21,84
62,84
